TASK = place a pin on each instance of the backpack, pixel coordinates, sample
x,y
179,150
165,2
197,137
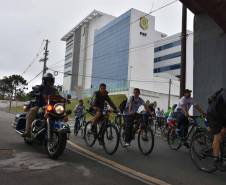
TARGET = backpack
x,y
213,97
122,105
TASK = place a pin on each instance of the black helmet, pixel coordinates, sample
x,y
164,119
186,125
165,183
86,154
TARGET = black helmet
x,y
48,78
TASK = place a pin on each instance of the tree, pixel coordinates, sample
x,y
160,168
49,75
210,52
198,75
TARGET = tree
x,y
5,86
11,86
16,82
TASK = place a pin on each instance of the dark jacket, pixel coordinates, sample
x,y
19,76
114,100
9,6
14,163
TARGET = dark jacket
x,y
45,91
217,107
98,100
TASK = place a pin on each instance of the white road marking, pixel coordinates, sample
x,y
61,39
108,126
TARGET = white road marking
x,y
116,166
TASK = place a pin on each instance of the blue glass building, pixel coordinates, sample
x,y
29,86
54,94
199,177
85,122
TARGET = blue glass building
x,y
111,54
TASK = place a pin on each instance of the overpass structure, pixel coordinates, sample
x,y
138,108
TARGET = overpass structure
x,y
209,47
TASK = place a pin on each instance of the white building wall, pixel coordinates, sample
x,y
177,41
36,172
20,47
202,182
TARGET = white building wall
x,y
190,62
67,84
141,62
189,66
141,59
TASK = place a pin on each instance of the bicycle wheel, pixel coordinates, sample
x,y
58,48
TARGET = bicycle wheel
x,y
89,134
164,133
146,140
152,125
76,129
173,139
201,152
110,138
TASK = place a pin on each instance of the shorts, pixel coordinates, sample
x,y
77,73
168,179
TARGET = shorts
x,y
215,124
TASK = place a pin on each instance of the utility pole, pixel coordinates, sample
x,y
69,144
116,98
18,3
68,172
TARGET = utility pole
x,y
170,84
46,53
183,51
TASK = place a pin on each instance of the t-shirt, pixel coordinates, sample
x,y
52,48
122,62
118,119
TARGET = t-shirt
x,y
185,103
135,104
79,110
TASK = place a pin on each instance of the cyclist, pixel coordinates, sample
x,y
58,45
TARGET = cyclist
x,y
98,103
182,112
216,116
79,112
132,106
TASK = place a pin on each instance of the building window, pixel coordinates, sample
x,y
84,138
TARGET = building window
x,y
70,46
167,46
67,65
167,57
67,73
68,56
167,68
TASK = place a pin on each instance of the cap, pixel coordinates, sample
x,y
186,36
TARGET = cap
x,y
187,91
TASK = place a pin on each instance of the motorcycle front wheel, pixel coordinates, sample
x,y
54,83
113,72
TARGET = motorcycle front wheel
x,y
56,144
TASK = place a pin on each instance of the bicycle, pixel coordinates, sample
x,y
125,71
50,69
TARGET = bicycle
x,y
80,126
104,131
201,152
159,125
145,133
176,137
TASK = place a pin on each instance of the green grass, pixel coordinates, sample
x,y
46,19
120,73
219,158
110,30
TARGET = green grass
x,y
17,109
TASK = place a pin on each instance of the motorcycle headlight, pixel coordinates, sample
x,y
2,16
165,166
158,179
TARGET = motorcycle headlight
x,y
59,109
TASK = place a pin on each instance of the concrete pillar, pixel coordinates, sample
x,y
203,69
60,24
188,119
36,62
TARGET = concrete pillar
x,y
209,58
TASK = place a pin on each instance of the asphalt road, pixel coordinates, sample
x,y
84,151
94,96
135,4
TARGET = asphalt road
x,y
174,167
25,165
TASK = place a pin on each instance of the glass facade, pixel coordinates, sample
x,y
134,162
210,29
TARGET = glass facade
x,y
167,57
167,46
110,55
167,68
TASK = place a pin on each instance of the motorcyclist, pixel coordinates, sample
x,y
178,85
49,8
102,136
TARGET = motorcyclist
x,y
45,89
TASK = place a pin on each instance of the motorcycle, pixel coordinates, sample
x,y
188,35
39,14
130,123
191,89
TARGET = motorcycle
x,y
50,127
22,115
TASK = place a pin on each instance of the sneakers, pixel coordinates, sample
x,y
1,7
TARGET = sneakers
x,y
126,144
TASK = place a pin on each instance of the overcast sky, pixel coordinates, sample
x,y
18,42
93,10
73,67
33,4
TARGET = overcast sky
x,y
25,23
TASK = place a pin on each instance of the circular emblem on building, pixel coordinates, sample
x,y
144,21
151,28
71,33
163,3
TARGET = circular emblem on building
x,y
144,23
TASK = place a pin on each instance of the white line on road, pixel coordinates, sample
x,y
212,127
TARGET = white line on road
x,y
116,166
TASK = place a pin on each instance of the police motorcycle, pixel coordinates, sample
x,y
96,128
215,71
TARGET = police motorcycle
x,y
50,127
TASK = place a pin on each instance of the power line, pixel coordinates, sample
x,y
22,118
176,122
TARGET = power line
x,y
35,77
107,78
34,59
130,23
134,49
